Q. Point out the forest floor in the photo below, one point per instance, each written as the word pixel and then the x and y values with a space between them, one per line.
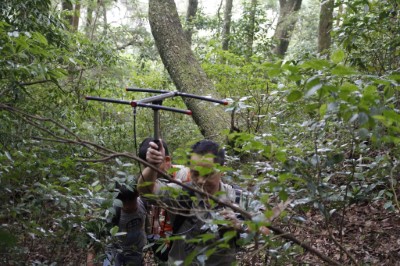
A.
pixel 370 235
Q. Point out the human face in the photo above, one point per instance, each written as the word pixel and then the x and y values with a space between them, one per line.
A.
pixel 203 173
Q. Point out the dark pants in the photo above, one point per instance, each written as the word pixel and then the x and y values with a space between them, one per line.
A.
pixel 117 259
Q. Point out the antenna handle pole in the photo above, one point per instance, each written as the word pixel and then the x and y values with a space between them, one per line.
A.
pixel 156 124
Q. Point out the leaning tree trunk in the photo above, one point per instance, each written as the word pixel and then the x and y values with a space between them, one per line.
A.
pixel 325 26
pixel 286 23
pixel 190 17
pixel 184 69
pixel 226 30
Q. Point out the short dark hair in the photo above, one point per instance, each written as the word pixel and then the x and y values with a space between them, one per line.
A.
pixel 205 146
pixel 126 194
pixel 145 145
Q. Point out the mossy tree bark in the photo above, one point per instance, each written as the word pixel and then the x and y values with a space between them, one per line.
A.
pixel 286 22
pixel 251 28
pixel 190 18
pixel 184 69
pixel 325 26
pixel 226 31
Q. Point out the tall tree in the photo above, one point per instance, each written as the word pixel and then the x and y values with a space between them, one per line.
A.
pixel 105 23
pixel 89 17
pixel 286 23
pixel 72 13
pixel 226 30
pixel 68 8
pixel 251 28
pixel 190 17
pixel 76 16
pixel 184 69
pixel 325 25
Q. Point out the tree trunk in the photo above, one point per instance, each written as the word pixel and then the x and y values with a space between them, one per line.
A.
pixel 286 23
pixel 89 18
pixel 226 30
pixel 184 69
pixel 68 7
pixel 339 15
pixel 250 29
pixel 325 26
pixel 190 15
pixel 77 15
pixel 105 23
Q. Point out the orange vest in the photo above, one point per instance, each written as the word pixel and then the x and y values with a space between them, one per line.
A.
pixel 161 224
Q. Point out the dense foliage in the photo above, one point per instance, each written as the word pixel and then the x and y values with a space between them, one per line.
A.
pixel 323 132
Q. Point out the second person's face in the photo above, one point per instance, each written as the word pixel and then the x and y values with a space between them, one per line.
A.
pixel 204 174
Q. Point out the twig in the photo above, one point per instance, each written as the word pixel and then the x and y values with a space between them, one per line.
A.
pixel 343 249
pixel 112 154
pixel 34 82
pixel 392 185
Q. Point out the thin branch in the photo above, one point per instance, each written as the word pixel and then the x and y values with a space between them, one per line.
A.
pixel 34 82
pixel 112 154
pixel 41 82
pixel 392 185
pixel 343 249
pixel 123 46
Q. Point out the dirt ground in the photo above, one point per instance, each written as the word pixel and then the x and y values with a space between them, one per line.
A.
pixel 368 235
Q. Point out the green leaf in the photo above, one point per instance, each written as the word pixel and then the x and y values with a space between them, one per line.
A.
pixel 363 133
pixel 338 158
pixel 274 72
pixel 316 64
pixel 114 230
pixel 39 38
pixel 322 110
pixel 391 115
pixel 281 155
pixel 295 77
pixel 210 252
pixel 343 70
pixel 388 205
pixel 313 90
pixel 346 89
pixel 9 156
pixel 7 239
pixel 294 96
pixel 338 56
pixel 283 195
pixel 395 77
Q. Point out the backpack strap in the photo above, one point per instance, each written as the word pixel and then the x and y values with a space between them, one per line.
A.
pixel 117 216
pixel 238 194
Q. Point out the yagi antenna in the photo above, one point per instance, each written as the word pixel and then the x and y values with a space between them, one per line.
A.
pixel 155 103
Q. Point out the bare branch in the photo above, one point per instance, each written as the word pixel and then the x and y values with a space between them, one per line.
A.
pixel 35 82
pixel 109 154
pixel 343 249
